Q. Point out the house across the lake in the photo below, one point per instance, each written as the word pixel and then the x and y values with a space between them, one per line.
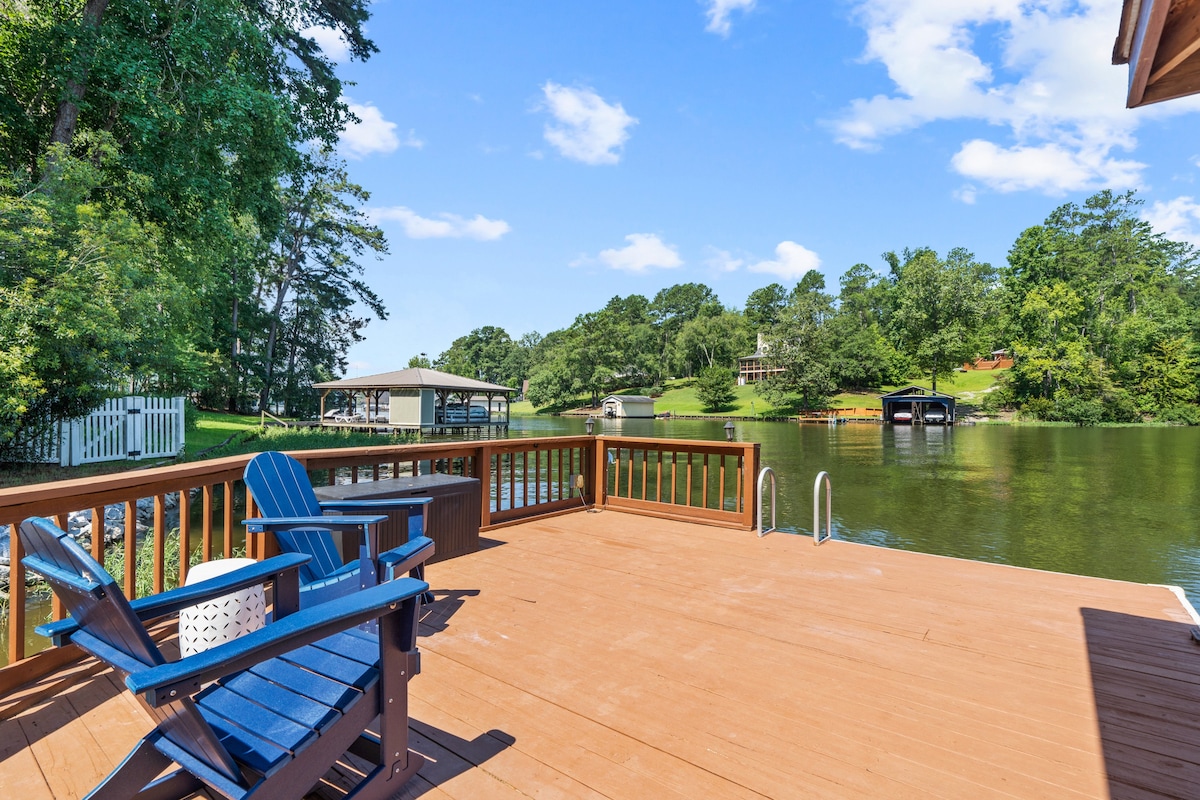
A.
pixel 755 367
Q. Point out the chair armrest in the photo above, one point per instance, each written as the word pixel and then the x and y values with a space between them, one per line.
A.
pixel 344 523
pixel 168 683
pixel 155 606
pixel 380 502
pixel 408 555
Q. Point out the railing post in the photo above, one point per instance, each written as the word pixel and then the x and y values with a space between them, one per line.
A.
pixel 483 471
pixel 749 483
pixel 599 472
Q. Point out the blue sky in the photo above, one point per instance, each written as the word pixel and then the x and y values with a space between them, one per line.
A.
pixel 530 160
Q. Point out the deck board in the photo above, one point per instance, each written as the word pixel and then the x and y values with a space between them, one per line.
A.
pixel 607 655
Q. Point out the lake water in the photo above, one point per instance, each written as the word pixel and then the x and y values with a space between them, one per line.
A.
pixel 1110 502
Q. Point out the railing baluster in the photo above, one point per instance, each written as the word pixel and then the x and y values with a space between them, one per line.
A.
pixel 16 594
pixel 645 466
pixel 185 533
pixel 704 485
pixel 98 531
pixel 160 542
pixel 689 479
pixel 253 540
pixel 227 547
pixel 56 605
pixel 629 476
pixel 131 549
pixel 721 496
pixel 206 524
pixel 658 467
pixel 674 475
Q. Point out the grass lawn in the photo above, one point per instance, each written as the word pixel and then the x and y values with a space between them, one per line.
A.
pixel 680 397
pixel 213 427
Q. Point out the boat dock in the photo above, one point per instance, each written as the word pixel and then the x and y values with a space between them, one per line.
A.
pixel 606 654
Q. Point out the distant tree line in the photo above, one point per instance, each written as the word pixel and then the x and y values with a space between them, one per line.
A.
pixel 171 216
pixel 1100 313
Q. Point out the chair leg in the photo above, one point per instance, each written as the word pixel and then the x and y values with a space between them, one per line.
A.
pixel 382 783
pixel 418 572
pixel 130 777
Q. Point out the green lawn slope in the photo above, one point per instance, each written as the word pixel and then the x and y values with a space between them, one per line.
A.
pixel 679 397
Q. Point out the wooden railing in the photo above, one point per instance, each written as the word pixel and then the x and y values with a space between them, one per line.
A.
pixel 680 479
pixel 706 482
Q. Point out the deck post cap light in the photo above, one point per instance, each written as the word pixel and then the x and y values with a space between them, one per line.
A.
pixel 729 431
pixel 590 425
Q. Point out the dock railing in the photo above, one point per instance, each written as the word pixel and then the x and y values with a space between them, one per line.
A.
pixel 706 482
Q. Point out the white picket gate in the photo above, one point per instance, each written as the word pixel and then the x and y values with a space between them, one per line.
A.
pixel 124 427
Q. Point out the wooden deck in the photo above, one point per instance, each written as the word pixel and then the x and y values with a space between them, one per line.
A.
pixel 605 655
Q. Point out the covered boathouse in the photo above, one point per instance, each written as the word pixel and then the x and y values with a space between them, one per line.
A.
pixel 415 399
pixel 918 401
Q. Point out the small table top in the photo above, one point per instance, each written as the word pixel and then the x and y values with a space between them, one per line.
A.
pixel 366 490
pixel 213 569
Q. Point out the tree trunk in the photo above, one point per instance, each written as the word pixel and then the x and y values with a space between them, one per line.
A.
pixel 68 108
pixel 234 351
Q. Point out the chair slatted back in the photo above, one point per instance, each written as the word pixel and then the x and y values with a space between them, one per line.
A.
pixel 281 488
pixel 96 602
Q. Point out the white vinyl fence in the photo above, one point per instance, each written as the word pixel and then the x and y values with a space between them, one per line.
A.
pixel 124 427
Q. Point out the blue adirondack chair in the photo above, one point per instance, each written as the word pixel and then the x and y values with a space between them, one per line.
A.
pixel 289 509
pixel 288 700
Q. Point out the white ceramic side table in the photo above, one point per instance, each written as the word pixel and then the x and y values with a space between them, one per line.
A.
pixel 223 618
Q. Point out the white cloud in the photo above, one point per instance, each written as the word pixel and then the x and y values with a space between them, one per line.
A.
pixel 371 134
pixel 718 12
pixel 412 141
pixel 589 130
pixel 1039 68
pixel 1179 219
pixel 331 42
pixel 791 262
pixel 644 251
pixel 445 226
pixel 966 194
pixel 723 261
pixel 1051 168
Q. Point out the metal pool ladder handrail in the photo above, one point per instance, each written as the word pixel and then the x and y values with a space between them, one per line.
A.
pixel 763 473
pixel 817 538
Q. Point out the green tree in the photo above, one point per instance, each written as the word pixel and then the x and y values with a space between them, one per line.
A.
pixel 715 389
pixel 940 309
pixel 765 306
pixel 1169 374
pixel 85 306
pixel 862 356
pixel 316 258
pixel 712 341
pixel 485 354
pixel 421 361
pixel 671 309
pixel 800 345
pixel 1089 300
